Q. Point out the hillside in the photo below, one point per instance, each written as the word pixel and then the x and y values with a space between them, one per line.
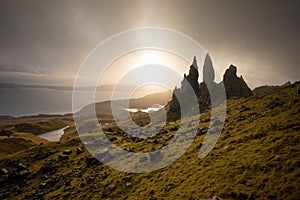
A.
pixel 256 157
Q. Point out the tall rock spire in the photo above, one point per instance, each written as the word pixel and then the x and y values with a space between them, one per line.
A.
pixel 208 70
pixel 195 62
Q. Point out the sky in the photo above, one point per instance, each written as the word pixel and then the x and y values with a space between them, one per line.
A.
pixel 45 42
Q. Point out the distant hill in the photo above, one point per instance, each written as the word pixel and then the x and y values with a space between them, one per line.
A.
pixel 140 103
pixel 269 88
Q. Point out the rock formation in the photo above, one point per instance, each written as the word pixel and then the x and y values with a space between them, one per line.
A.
pixel 183 92
pixel 208 70
pixel 191 78
pixel 235 86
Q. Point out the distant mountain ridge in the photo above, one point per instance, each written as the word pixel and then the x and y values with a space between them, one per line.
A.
pixel 104 87
pixel 145 102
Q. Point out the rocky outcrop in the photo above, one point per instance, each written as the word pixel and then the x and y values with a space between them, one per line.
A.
pixel 184 93
pixel 235 86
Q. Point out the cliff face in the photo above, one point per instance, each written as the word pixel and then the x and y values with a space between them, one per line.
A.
pixel 234 87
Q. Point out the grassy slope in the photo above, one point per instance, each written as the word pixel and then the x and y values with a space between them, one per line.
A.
pixel 23 136
pixel 255 158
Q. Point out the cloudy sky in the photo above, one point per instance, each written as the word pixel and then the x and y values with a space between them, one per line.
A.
pixel 44 42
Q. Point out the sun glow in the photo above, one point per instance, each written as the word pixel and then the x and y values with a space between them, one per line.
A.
pixel 124 64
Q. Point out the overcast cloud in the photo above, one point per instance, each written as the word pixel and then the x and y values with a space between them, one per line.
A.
pixel 44 42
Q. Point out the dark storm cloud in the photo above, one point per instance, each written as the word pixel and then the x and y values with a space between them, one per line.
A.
pixel 53 37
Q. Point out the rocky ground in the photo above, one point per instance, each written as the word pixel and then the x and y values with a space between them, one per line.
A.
pixel 256 157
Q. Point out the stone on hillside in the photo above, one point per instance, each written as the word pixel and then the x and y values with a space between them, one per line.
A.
pixel 48 168
pixel 90 160
pixel 217 122
pixel 202 130
pixel 244 108
pixel 20 166
pixel 4 171
pixel 155 155
pixel 63 158
pixel 128 184
pixel 240 118
pixel 41 154
pixel 235 86
pixel 79 151
pixel 169 187
pixel 24 173
pixel 67 152
pixel 274 103
pixel 43 185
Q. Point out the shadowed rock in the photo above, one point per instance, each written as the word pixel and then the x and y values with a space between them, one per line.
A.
pixel 235 86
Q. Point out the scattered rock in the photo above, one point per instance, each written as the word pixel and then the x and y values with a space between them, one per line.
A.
pixel 143 158
pixel 155 141
pixel 67 152
pixel 90 179
pixel 24 173
pixel 79 151
pixel 202 130
pixel 90 161
pixel 244 108
pixel 135 139
pixel 4 171
pixel 169 137
pixel 128 184
pixel 63 158
pixel 169 187
pixel 48 167
pixel 43 185
pixel 20 166
pixel 240 118
pixel 67 182
pixel 274 103
pixel 40 154
pixel 217 122
pixel 155 155
pixel 214 130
